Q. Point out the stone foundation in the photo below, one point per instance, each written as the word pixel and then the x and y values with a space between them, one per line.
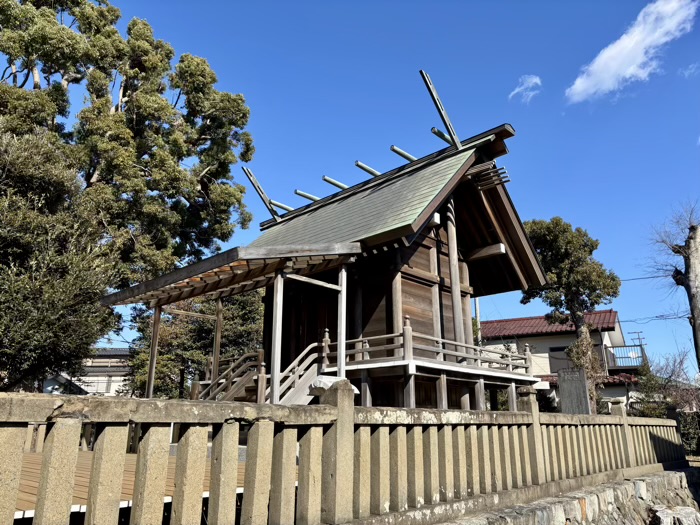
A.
pixel 664 498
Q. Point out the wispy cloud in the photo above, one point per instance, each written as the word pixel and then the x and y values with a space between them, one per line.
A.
pixel 690 71
pixel 528 86
pixel 635 55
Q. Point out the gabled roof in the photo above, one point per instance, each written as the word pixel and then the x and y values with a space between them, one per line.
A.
pixel 602 321
pixel 392 204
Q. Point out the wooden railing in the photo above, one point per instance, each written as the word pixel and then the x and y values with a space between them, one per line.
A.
pixel 409 345
pixel 327 463
pixel 300 372
pixel 233 381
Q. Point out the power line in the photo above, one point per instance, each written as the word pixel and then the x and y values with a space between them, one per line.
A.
pixel 644 278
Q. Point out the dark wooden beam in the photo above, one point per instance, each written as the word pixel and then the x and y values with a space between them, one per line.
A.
pixel 487 251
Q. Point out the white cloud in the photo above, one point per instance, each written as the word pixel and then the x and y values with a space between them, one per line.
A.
pixel 528 86
pixel 690 71
pixel 635 55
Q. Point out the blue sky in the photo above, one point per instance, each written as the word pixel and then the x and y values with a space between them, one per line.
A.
pixel 611 148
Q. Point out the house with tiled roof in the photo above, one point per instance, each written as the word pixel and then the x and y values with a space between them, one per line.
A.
pixel 547 342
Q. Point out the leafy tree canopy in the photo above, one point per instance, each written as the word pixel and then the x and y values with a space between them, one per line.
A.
pixel 153 144
pixel 576 282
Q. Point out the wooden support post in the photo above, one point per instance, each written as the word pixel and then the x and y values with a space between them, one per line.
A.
pixel 467 305
pixel 216 354
pixel 342 317
pixel 365 389
pixel 480 395
pixel 409 390
pixel 276 353
pixel 512 397
pixel 455 288
pixel 407 339
pixel 442 392
pixel 397 301
pixel 150 380
pixel 357 324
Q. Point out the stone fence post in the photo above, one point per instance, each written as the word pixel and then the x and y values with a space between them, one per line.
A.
pixel 617 408
pixel 527 402
pixel 338 455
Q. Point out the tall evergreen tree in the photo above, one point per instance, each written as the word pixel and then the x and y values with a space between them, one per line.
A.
pixel 125 187
pixel 154 144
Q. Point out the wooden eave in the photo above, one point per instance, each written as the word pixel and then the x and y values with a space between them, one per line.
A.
pixel 234 271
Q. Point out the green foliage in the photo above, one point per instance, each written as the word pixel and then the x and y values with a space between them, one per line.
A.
pixel 154 143
pixel 651 399
pixel 185 343
pixel 53 268
pixel 132 183
pixel 576 284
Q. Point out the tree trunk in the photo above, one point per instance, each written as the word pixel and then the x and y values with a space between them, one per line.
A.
pixel 586 358
pixel 37 78
pixel 692 284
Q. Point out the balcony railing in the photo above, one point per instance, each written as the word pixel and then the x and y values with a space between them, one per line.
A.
pixel 630 356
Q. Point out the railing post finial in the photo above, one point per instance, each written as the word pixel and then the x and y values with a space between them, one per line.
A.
pixel 407 320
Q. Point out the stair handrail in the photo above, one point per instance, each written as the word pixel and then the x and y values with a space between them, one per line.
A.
pixel 294 365
pixel 232 372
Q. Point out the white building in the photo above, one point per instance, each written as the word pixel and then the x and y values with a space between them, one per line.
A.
pixel 103 374
pixel 548 343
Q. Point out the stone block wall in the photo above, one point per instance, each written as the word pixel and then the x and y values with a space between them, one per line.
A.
pixel 666 498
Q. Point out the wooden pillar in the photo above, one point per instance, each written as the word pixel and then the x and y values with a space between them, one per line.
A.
pixel 357 324
pixel 409 390
pixel 455 288
pixel 442 392
pixel 150 380
pixel 480 395
pixel 342 317
pixel 365 390
pixel 276 354
pixel 467 305
pixel 512 397
pixel 217 340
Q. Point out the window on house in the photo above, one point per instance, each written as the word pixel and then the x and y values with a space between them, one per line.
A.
pixel 558 359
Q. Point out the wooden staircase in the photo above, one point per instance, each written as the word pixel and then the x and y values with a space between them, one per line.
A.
pixel 244 379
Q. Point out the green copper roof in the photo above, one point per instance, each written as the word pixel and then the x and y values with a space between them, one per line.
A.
pixel 384 205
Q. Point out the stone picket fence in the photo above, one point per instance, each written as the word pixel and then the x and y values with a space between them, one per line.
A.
pixel 326 463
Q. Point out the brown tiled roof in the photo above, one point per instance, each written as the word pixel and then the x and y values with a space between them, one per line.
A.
pixel 619 379
pixel 602 321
